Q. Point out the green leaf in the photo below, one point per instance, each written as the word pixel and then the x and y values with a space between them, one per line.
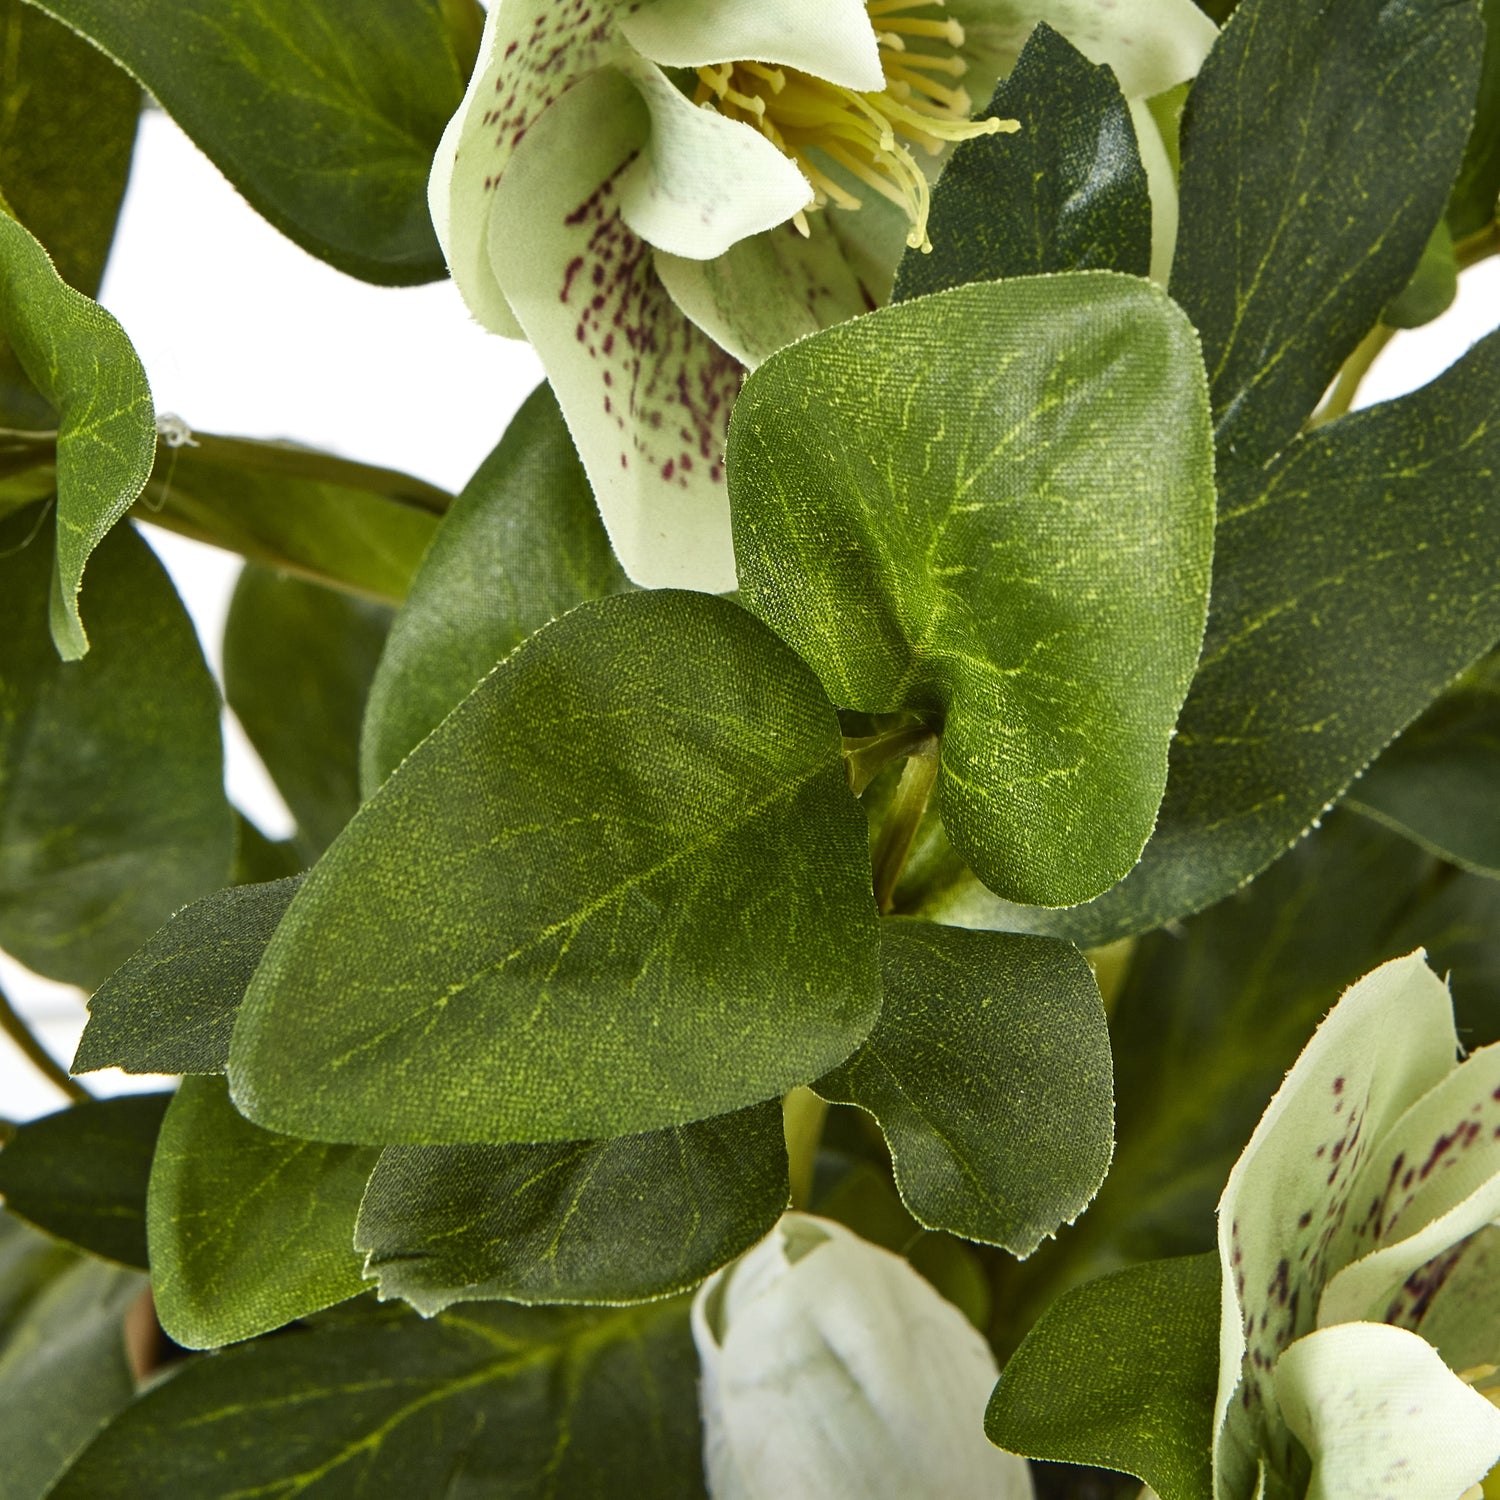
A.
pixel 79 358
pixel 1121 1374
pixel 616 1221
pixel 1068 193
pixel 63 1367
pixel 327 127
pixel 508 1403
pixel 989 1072
pixel 170 1007
pixel 247 1230
pixel 1318 150
pixel 298 659
pixel 1472 205
pixel 258 860
pixel 1432 288
pixel 112 810
pixel 1440 782
pixel 81 1174
pixel 350 525
pixel 522 545
pixel 581 907
pixel 995 507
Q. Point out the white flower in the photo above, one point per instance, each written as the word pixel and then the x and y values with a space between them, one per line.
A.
pixel 832 1369
pixel 651 244
pixel 1354 1236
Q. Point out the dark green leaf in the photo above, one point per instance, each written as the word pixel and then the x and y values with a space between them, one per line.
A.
pixel 584 905
pixel 1432 288
pixel 1319 146
pixel 112 810
pixel 522 545
pixel 258 860
pixel 298 659
pixel 81 1174
pixel 63 1369
pixel 989 1072
pixel 615 1221
pixel 1440 782
pixel 1068 193
pixel 326 125
pixel 170 1008
pixel 78 357
pixel 1477 189
pixel 248 1230
pixel 995 507
pixel 501 1402
pixel 350 525
pixel 1458 922
pixel 1121 1374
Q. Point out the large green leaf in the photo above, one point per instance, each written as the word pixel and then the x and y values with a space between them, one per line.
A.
pixel 298 659
pixel 615 1221
pixel 324 518
pixel 989 1072
pixel 170 1007
pixel 81 1174
pixel 63 1367
pixel 112 809
pixel 623 886
pixel 1121 1374
pixel 1440 782
pixel 522 545
pixel 501 1402
pixel 1477 188
pixel 327 124
pixel 247 1230
pixel 1066 194
pixel 78 357
pixel 1318 149
pixel 995 507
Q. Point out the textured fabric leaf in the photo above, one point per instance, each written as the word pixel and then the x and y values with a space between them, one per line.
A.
pixel 1120 1374
pixel 112 810
pixel 581 906
pixel 1334 131
pixel 989 1073
pixel 995 506
pixel 522 545
pixel 1068 193
pixel 248 1230
pixel 327 128
pixel 79 358
pixel 1472 205
pixel 616 1221
pixel 501 1402
pixel 170 1007
pixel 298 659
pixel 81 1174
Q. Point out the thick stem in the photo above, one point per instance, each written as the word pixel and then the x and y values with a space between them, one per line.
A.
pixel 802 1116
pixel 37 1055
pixel 899 831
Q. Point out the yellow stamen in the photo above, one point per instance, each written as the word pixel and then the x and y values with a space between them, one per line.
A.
pixel 867 136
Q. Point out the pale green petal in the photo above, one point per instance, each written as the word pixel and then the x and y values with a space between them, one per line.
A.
pixel 645 394
pixel 1383 1417
pixel 1462 1320
pixel 1151 44
pixel 528 56
pixel 703 182
pixel 768 291
pixel 1385 1044
pixel 1162 181
pixel 830 38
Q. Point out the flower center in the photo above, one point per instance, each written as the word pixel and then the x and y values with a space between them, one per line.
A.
pixel 869 136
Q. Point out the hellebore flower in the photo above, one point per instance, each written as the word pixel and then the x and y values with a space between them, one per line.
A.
pixel 639 187
pixel 1361 1303
pixel 831 1368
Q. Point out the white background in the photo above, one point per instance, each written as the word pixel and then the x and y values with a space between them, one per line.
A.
pixel 241 332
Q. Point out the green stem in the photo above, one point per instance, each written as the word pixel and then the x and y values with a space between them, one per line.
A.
pixel 1478 246
pixel 1352 376
pixel 37 1055
pixel 802 1116
pixel 899 831
pixel 867 756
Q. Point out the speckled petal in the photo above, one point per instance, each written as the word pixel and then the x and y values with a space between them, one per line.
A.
pixel 645 394
pixel 704 182
pixel 830 38
pixel 1382 1417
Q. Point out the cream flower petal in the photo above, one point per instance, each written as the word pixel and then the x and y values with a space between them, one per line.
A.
pixel 1161 180
pixel 703 182
pixel 645 394
pixel 832 39
pixel 1383 1417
